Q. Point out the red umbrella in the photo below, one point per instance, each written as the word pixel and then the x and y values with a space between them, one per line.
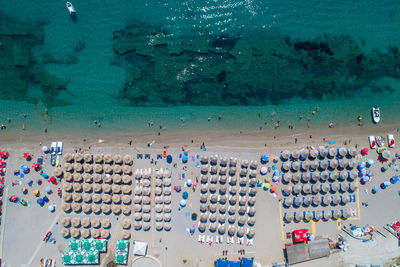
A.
pixel 35 166
pixel 1 162
pixel 364 151
pixel 26 155
pixel 5 154
pixel 52 179
pixel 13 198
pixel 1 154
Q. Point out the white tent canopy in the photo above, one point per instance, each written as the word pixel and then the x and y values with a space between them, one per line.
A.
pixel 140 248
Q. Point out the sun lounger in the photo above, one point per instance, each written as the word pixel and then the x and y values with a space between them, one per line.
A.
pixel 210 239
pixel 240 240
pixel 146 156
pixel 249 242
pixel 201 238
pixel 159 156
pixel 53 148
pixel 231 240
pixel 59 148
pixel 139 156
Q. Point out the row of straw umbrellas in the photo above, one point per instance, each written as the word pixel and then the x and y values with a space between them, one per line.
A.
pixel 325 164
pixel 225 192
pixel 92 169
pixel 319 188
pixel 321 152
pixel 226 211
pixel 96 198
pixel 97 178
pixel 224 199
pixel 87 233
pixel 96 188
pixel 98 158
pixel 214 160
pixel 231 230
pixel 231 171
pixel 213 180
pixel 96 208
pixel 315 177
pixel 318 215
pixel 316 201
pixel 85 222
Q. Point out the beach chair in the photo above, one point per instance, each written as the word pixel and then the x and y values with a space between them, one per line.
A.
pixel 139 156
pixel 232 240
pixel 146 156
pixel 240 240
pixel 59 148
pixel 209 239
pixel 159 156
pixel 221 239
pixel 249 242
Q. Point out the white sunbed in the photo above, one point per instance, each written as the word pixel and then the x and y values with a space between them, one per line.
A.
pixel 53 148
pixel 232 239
pixel 240 240
pixel 209 239
pixel 201 238
pixel 59 148
pixel 249 242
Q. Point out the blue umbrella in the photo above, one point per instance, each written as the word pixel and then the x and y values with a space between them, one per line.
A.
pixel 394 179
pixel 182 203
pixel 40 201
pixel 184 158
pixel 51 208
pixel 39 181
pixel 45 199
pixel 169 159
pixel 362 165
pixel 275 179
pixel 264 159
pixel 185 195
pixel 386 183
pixel 48 190
pixel 191 230
pixel 370 162
pixel 375 189
pixel 45 176
pixel 277 173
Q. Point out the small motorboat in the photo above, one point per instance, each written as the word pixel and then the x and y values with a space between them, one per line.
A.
pixel 376 114
pixel 71 8
pixel 372 143
pixel 390 140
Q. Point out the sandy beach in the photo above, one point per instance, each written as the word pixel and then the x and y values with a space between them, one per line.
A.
pixel 25 227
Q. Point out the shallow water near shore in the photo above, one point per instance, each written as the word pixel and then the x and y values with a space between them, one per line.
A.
pixel 95 81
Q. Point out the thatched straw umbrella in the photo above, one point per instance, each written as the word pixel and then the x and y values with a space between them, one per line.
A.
pixel 223 171
pixel 116 189
pixel 95 223
pixel 324 164
pixel 353 187
pixel 98 168
pixel 323 152
pixel 314 165
pixel 327 200
pixel 305 177
pixel 324 176
pixel 232 190
pixel 213 170
pixel 203 207
pixel 147 209
pixel 159 226
pixel 78 167
pixel 97 178
pixel 299 216
pixel 58 172
pixel 146 183
pixel 76 197
pixel 67 177
pixel 309 216
pixel 126 179
pixel 232 219
pixel 251 233
pixel 213 208
pixel 65 232
pixel 127 170
pixel 87 187
pixel 286 166
pixel 66 221
pixel 77 187
pixel 342 152
pixel 332 152
pixel 146 199
pixel 287 178
pixel 213 160
pixel 325 188
pixel 233 162
pixel 106 223
pixel 167 217
pixel 253 191
pixel 296 177
pixel 67 187
pixel 314 177
pixel 315 189
pixel 146 226
pixel 204 159
pixel 346 214
pixel 138 191
pixel 108 159
pixel 67 197
pixel 126 235
pixel 295 166
pixel 212 217
pixel 245 164
pixel 232 210
pixel 336 200
pixel 224 161
pixel 75 233
pixel 66 207
pixel 126 210
pixel 87 158
pixel 213 179
pixel 126 200
pixel 77 177
pixel 344 187
pixel 213 227
pixel 116 178
pixel 87 178
pixel 86 222
pixel 336 214
pixel 243 181
pixel 221 229
pixel 242 210
pixel 316 201
pixel 233 180
pixel 107 188
pixel 96 208
pixel 232 171
pixel 232 200
pixel 105 234
pixel 116 209
pixel 96 233
pixel 167 182
pixel 240 232
pixel 345 199
pixel 117 169
pixel 352 163
pixel 204 169
pixel 313 154
pixel 327 215
pixel 242 201
pixel 87 208
pixel 203 179
pixel 106 198
pixel 352 152
pixel 252 211
pixel 334 176
pixel 305 165
pixel 126 224
pixel 254 164
pixel 335 187
pixel 289 217
pixel 98 158
pixel 106 209
pixel 158 208
pixel 78 157
pixel 296 189
pixel 298 201
pixel 97 188
pixel 343 163
pixel 253 173
pixel 307 201
pixel 222 209
pixel 68 157
pixel 116 199
pixel 287 202
pixel 285 154
pixel 304 154
pixel 307 189
pixel 108 169
pixel 353 175
pixel 203 217
pixel 76 222
pixel 333 163
pixel 87 198
pixel 295 154
pixel 251 201
pixel 128 160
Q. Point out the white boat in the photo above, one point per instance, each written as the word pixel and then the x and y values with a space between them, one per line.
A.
pixel 71 8
pixel 372 143
pixel 376 114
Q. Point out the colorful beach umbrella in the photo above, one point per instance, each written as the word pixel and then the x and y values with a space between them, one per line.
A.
pixel 182 203
pixel 185 195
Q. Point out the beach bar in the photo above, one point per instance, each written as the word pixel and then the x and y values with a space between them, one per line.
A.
pixel 306 251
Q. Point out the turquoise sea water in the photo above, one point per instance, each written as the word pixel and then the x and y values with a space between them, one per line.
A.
pixel 96 73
